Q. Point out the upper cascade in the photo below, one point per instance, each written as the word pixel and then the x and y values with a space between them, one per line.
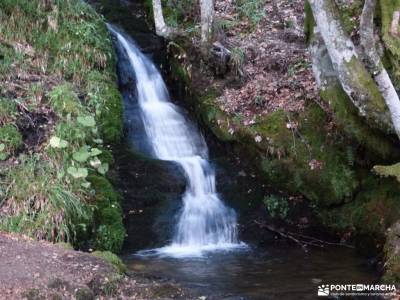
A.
pixel 205 223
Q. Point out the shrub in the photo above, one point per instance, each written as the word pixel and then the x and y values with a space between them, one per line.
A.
pixel 277 206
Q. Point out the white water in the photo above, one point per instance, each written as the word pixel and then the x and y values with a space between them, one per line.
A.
pixel 205 223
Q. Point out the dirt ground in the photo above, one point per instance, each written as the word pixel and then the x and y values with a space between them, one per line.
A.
pixel 40 270
pixel 276 72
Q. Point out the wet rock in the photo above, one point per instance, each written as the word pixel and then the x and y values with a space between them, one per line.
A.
pixel 151 191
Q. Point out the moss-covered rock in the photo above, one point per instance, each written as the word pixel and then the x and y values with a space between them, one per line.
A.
pixel 377 144
pixel 325 155
pixel 392 254
pixel 112 259
pixel 109 231
pixel 84 293
pixel 104 191
pixel 111 117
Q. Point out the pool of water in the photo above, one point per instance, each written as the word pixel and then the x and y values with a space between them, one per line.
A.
pixel 277 273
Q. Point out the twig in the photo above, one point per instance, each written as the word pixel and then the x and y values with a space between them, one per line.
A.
pixel 322 241
pixel 307 240
pixel 282 234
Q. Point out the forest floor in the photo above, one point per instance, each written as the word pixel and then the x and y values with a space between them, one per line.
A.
pixel 35 270
pixel 274 66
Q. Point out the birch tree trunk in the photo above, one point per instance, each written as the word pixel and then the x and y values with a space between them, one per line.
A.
pixel 352 74
pixel 375 65
pixel 207 20
pixel 161 27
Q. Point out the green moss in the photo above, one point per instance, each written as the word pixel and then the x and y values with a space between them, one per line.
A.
pixel 309 22
pixel 110 237
pixel 111 215
pixel 112 259
pixel 11 138
pixel 304 159
pixel 179 72
pixel 386 171
pixel 392 255
pixel 66 246
pixel 349 14
pixel 104 192
pixel 213 117
pixel 375 108
pixel 272 128
pixel 105 99
pixel 392 43
pixel 84 293
pixel 374 208
pixel 111 117
pixel 347 117
pixel 109 229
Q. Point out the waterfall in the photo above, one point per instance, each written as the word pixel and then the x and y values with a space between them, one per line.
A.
pixel 205 223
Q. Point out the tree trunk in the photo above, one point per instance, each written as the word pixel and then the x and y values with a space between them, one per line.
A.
pixel 161 28
pixel 344 112
pixel 352 74
pixel 394 27
pixel 207 20
pixel 375 65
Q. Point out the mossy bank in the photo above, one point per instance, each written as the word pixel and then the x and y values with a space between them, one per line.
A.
pixel 60 113
pixel 324 152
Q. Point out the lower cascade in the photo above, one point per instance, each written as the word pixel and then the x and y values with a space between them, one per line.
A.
pixel 205 223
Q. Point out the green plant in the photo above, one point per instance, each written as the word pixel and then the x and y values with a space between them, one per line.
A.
pixel 48 195
pixel 10 139
pixel 277 206
pixel 298 66
pixel 237 60
pixel 110 237
pixel 224 24
pixel 253 10
pixel 65 101
pixel 8 110
pixel 289 23
pixel 44 205
pixel 259 100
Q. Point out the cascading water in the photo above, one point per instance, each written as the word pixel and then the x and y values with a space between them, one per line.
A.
pixel 205 223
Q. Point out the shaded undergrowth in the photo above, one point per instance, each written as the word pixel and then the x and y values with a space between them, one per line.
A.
pixel 60 110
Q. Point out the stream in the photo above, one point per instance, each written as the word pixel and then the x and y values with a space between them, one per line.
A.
pixel 272 273
pixel 202 249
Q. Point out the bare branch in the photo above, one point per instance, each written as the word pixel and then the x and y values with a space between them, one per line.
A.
pixel 301 239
